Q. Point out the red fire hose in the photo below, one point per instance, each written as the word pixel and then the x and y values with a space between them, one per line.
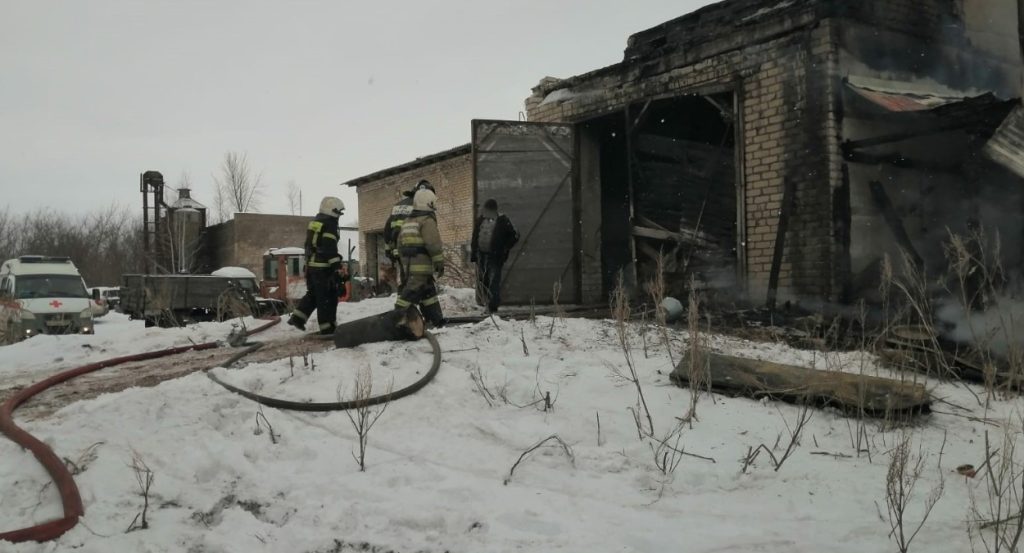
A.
pixel 70 499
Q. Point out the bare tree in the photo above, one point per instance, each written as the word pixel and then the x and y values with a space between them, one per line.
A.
pixel 294 198
pixel 103 244
pixel 238 189
pixel 8 234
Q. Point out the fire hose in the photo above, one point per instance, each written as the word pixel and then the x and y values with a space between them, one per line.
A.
pixel 334 405
pixel 71 500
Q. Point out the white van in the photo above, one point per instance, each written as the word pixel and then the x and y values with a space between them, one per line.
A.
pixel 42 295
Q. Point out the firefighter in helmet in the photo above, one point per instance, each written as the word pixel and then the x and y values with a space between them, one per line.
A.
pixel 393 226
pixel 322 264
pixel 419 246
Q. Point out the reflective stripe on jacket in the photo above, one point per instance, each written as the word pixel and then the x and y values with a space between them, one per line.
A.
pixel 399 212
pixel 419 243
pixel 322 242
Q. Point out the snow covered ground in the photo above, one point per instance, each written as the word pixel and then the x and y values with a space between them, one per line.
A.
pixel 438 462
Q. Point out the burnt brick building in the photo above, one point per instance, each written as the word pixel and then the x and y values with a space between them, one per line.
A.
pixel 766 148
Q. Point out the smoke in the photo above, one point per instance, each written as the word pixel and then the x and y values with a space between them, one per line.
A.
pixel 997 328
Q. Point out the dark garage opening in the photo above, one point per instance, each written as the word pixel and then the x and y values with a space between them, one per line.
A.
pixel 674 171
pixel 608 133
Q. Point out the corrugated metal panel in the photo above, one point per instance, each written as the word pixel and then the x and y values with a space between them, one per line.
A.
pixel 903 101
pixel 1007 145
pixel 528 168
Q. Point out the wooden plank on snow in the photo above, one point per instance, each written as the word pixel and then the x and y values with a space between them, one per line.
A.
pixel 852 393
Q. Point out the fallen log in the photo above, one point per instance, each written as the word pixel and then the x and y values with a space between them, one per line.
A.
pixel 398 324
pixel 850 393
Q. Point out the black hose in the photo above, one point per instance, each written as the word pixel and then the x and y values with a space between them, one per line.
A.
pixel 579 311
pixel 335 405
pixel 465 319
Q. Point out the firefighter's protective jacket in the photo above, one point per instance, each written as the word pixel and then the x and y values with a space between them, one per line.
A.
pixel 419 244
pixel 393 226
pixel 322 243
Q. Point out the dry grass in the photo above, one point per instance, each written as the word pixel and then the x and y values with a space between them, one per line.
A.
pixel 905 470
pixel 997 501
pixel 621 312
pixel 656 289
pixel 697 367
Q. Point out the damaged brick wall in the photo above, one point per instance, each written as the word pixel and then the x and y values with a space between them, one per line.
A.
pixel 786 91
pixel 453 181
pixel 923 18
pixel 790 134
pixel 965 45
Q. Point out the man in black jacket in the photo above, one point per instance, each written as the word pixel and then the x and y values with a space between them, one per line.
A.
pixel 322 264
pixel 493 239
pixel 393 226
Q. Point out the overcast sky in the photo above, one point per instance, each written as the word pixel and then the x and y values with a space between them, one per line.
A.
pixel 93 93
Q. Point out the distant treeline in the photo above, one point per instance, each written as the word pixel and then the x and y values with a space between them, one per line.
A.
pixel 103 244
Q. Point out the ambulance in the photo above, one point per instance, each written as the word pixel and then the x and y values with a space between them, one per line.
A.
pixel 42 295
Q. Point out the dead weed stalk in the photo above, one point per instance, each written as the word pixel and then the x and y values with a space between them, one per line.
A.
pixel 620 313
pixel 997 502
pixel 144 478
pixel 364 415
pixel 901 479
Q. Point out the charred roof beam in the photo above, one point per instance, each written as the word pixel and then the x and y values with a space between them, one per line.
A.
pixel 894 222
pixel 897 159
pixel 849 145
pixel 724 110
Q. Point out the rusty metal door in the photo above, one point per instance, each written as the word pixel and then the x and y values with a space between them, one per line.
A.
pixel 530 170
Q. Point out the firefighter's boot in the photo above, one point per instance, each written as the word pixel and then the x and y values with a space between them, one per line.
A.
pixel 432 313
pixel 297 322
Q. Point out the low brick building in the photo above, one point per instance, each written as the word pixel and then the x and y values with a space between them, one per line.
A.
pixel 450 172
pixel 774 148
pixel 242 241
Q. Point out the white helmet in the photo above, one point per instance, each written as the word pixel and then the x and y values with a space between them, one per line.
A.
pixel 424 200
pixel 332 206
